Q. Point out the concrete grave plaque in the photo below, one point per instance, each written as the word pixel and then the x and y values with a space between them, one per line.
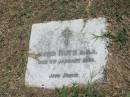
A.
pixel 63 52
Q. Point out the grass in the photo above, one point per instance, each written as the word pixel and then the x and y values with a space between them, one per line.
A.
pixel 120 37
pixel 75 91
pixel 16 19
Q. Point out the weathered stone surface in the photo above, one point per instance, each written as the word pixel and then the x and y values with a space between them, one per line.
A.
pixel 63 52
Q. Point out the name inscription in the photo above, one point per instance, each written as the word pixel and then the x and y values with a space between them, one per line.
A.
pixel 65 75
pixel 77 56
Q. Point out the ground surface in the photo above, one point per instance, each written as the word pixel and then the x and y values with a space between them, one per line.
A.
pixel 16 18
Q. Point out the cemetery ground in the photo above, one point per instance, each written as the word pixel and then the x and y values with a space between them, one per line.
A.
pixel 16 19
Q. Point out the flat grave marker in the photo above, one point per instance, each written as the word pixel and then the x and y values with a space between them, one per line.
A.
pixel 63 52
